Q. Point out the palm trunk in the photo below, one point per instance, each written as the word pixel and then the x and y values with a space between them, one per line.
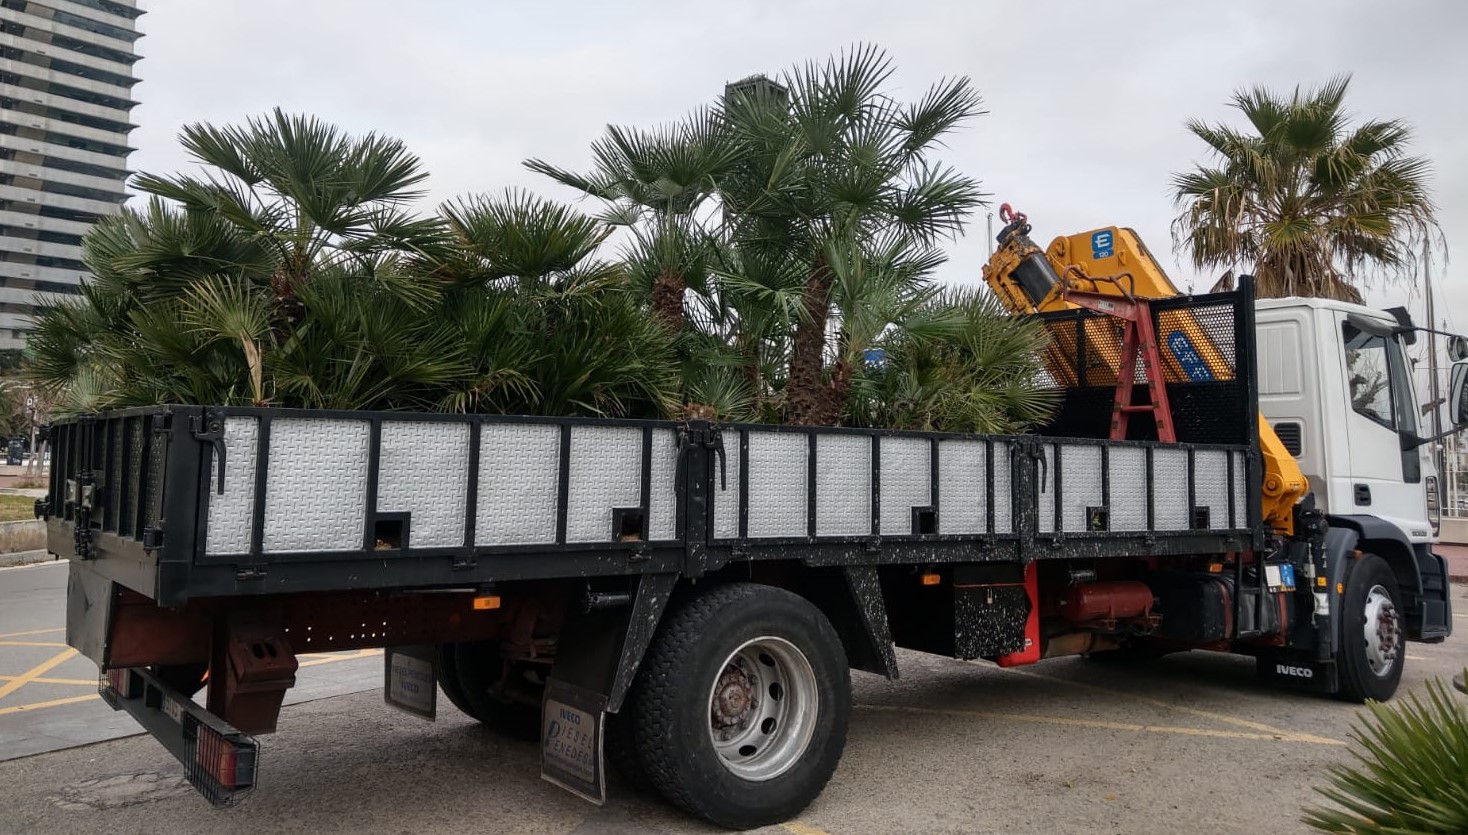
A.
pixel 837 392
pixel 805 397
pixel 668 290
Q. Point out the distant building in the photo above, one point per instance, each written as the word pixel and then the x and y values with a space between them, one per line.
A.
pixel 65 77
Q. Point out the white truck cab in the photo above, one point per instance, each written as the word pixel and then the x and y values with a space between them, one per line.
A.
pixel 1336 385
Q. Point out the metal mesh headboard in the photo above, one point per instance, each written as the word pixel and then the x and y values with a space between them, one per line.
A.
pixel 1207 349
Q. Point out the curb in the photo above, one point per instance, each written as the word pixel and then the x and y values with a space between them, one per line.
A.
pixel 25 558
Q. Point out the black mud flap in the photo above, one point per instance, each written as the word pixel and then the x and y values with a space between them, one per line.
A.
pixel 1437 599
pixel 572 720
pixel 410 680
pixel 1299 671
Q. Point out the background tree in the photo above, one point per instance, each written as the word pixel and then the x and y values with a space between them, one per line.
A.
pixel 1311 204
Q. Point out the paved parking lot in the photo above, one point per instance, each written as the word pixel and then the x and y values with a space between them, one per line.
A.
pixel 1189 743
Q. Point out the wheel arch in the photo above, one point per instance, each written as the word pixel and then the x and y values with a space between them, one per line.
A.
pixel 850 596
pixel 1380 537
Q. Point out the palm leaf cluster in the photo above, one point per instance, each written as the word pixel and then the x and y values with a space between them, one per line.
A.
pixel 1412 774
pixel 293 274
pixel 1311 203
pixel 790 229
pixel 768 243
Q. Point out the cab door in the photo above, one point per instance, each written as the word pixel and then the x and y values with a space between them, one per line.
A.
pixel 1384 480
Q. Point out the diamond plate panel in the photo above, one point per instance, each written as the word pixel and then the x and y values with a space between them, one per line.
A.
pixel 1003 497
pixel 726 501
pixel 424 471
pixel 519 483
pixel 662 522
pixel 231 512
pixel 963 496
pixel 153 501
pixel 843 485
pixel 129 522
pixel 1046 481
pixel 1210 476
pixel 1128 488
pixel 316 487
pixel 606 472
pixel 1240 488
pixel 906 483
pixel 1080 484
pixel 777 470
pixel 1170 489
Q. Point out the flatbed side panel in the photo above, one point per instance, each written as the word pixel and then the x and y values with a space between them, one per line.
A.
pixel 785 487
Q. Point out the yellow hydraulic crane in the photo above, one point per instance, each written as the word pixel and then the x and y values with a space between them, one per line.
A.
pixel 1113 261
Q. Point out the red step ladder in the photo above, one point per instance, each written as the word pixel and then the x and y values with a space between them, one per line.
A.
pixel 1138 344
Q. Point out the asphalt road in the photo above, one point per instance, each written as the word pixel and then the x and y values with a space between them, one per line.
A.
pixel 48 693
pixel 1191 743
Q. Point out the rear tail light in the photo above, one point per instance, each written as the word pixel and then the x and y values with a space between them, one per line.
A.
pixel 118 684
pixel 221 767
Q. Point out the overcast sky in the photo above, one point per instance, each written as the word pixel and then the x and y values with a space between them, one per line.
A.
pixel 1086 101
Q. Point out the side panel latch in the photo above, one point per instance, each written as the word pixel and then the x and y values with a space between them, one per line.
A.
pixel 209 428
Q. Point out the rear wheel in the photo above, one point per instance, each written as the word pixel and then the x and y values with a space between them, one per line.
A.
pixel 481 683
pixel 1372 652
pixel 741 706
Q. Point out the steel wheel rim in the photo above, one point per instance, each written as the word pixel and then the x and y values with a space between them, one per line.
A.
pixel 1383 633
pixel 763 708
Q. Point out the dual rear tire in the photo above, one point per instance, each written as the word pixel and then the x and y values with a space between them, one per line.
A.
pixel 738 714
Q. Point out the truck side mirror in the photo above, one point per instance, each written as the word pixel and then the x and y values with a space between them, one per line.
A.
pixel 1458 399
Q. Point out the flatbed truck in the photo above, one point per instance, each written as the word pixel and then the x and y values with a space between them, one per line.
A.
pixel 683 600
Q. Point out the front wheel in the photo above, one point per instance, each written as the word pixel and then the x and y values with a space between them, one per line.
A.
pixel 741 706
pixel 1372 651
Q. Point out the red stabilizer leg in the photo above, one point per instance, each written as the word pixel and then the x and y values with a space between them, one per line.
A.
pixel 1031 653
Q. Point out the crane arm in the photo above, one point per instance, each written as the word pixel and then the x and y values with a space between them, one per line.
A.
pixel 1027 280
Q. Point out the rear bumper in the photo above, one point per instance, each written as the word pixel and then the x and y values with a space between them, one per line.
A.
pixel 221 762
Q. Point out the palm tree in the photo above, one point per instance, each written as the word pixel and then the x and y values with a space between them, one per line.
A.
pixel 658 184
pixel 833 171
pixel 291 273
pixel 1410 774
pixel 1312 202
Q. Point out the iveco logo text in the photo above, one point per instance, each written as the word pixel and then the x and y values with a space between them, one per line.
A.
pixel 1297 672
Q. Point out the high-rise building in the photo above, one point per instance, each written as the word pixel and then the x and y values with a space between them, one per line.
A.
pixel 65 81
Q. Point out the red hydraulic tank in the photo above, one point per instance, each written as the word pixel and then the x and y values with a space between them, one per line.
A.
pixel 1108 600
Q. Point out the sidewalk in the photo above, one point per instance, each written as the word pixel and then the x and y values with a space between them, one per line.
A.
pixel 1457 557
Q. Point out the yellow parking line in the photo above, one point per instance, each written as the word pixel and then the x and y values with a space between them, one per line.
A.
pixel 1192 711
pixel 798 828
pixel 1100 724
pixel 31 644
pixel 35 672
pixel 33 632
pixel 366 653
pixel 80 682
pixel 71 700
